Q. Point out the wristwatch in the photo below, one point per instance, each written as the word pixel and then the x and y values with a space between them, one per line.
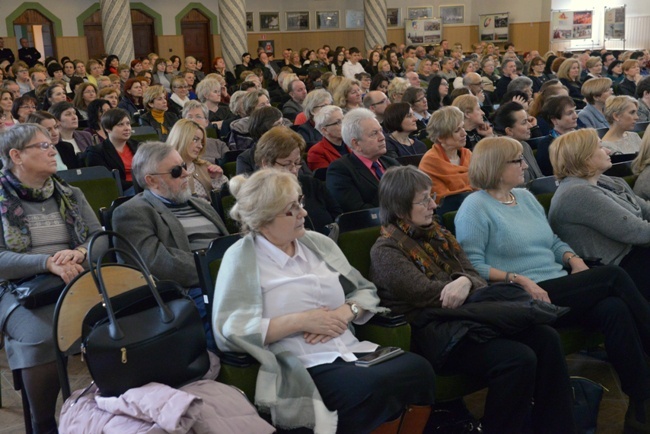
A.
pixel 83 250
pixel 354 308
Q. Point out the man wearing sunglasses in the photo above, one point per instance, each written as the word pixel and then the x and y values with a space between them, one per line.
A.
pixel 165 223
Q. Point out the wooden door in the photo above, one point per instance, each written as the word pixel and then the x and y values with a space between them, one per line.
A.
pixel 26 22
pixel 94 36
pixel 195 28
pixel 143 35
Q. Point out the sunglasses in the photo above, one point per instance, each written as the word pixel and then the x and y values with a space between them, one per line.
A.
pixel 175 172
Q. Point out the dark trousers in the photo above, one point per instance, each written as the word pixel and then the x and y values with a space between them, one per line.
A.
pixel 606 299
pixel 636 264
pixel 364 398
pixel 519 369
pixel 197 296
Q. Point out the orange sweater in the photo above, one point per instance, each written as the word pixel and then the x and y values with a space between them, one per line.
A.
pixel 447 178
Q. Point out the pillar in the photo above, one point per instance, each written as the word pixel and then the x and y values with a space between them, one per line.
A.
pixel 375 23
pixel 117 28
pixel 232 19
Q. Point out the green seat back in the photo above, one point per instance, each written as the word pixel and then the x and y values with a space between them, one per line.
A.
pixel 545 200
pixel 448 221
pixel 230 169
pixel 100 193
pixel 145 138
pixel 356 247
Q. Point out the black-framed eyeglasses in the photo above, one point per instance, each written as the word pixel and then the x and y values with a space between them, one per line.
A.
pixel 427 200
pixel 383 101
pixel 175 171
pixel 331 124
pixel 519 161
pixel 296 207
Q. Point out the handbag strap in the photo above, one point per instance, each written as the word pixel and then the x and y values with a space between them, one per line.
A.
pixel 131 253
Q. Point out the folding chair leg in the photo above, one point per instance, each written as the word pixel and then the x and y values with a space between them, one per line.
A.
pixel 27 414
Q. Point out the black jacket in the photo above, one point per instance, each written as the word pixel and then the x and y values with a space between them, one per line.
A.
pixel 105 155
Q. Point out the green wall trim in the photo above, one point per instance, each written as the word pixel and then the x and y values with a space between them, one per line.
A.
pixel 214 27
pixel 56 22
pixel 157 18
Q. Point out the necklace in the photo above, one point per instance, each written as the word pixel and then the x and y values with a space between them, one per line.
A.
pixel 509 202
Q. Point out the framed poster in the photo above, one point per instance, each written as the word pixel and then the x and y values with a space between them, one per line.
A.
pixel 493 27
pixel 566 25
pixel 267 44
pixel 452 14
pixel 420 12
pixel 393 17
pixel 298 20
pixel 270 21
pixel 249 21
pixel 425 31
pixel 615 23
pixel 354 19
pixel 327 20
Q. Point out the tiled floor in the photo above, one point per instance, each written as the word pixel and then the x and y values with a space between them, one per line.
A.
pixel 610 419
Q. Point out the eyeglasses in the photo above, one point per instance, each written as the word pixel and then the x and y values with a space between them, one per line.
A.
pixel 421 99
pixel 290 164
pixel 519 161
pixel 339 122
pixel 442 83
pixel 427 200
pixel 383 101
pixel 175 172
pixel 181 87
pixel 32 107
pixel 43 145
pixel 296 207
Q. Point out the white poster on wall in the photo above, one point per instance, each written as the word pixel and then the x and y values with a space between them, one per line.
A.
pixel 566 25
pixel 493 27
pixel 423 32
pixel 615 23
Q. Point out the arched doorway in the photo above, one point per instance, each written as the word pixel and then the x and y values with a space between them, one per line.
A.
pixel 39 31
pixel 195 28
pixel 143 34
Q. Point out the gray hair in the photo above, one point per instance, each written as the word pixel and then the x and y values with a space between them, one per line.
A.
pixel 261 197
pixel 352 124
pixel 194 104
pixel 235 101
pixel 519 84
pixel 250 100
pixel 147 158
pixel 206 86
pixel 17 137
pixel 313 99
pixel 324 115
pixel 397 190
pixel 411 94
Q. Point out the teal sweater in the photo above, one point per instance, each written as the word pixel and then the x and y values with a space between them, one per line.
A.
pixel 509 238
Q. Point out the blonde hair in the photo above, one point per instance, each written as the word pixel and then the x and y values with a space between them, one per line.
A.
pixel 566 66
pixel 397 86
pixel 443 122
pixel 409 62
pixel 595 87
pixel 182 135
pixel 466 103
pixel 261 197
pixel 593 61
pixel 152 93
pixel 617 105
pixel 628 64
pixel 570 153
pixel 489 159
pixel 341 92
pixel 643 159
pixel 421 65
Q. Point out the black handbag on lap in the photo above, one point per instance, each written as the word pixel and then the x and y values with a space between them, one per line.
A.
pixel 152 333
pixel 37 291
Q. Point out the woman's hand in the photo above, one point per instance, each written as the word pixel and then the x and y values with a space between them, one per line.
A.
pixel 63 257
pixel 485 130
pixel 325 322
pixel 532 288
pixel 533 121
pixel 66 272
pixel 455 292
pixel 520 100
pixel 214 171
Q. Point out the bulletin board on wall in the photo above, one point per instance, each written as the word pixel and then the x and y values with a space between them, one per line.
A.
pixel 493 27
pixel 570 25
pixel 615 23
pixel 425 31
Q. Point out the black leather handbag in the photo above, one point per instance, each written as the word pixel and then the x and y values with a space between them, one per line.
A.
pixel 37 291
pixel 152 333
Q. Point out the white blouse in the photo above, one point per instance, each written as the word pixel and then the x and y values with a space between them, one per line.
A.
pixel 297 284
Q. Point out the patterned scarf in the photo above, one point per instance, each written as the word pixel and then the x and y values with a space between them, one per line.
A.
pixel 17 235
pixel 432 249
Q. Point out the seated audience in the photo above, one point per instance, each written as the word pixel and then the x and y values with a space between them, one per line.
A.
pixel 66 114
pixel 417 98
pixel 23 107
pixel 400 123
pixel 596 91
pixel 627 86
pixel 180 95
pixel 397 87
pixel 420 270
pixel 84 94
pixel 641 167
pixel 297 91
pixel 569 75
pixel 117 151
pixel 475 125
pixel 353 179
pixel 197 112
pixel 313 103
pixel 328 121
pixel 643 97
pixel 310 349
pixel 131 100
pixel 437 93
pixel 157 114
pixel 65 155
pixel 621 113
pixel 47 231
pixel 560 112
pixel 240 138
pixel 95 111
pixel 166 224
pixel 447 161
pixel 347 95
pixel 505 234
pixel 621 232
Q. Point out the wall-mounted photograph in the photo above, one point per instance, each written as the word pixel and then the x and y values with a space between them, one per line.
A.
pixel 452 14
pixel 393 17
pixel 249 21
pixel 418 13
pixel 298 20
pixel 354 20
pixel 327 20
pixel 269 21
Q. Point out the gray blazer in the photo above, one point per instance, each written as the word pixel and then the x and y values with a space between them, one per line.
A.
pixel 160 237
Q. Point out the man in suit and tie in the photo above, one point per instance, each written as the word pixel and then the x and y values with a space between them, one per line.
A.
pixel 165 223
pixel 353 180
